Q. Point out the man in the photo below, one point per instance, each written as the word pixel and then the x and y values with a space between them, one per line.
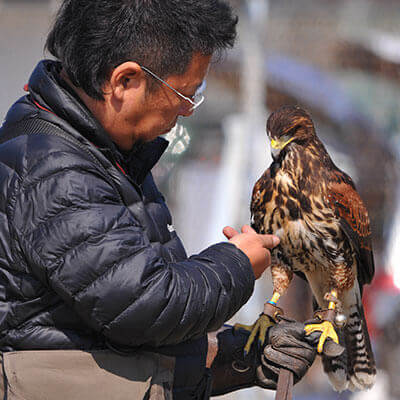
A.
pixel 88 259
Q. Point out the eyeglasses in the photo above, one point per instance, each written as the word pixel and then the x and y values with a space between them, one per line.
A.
pixel 195 100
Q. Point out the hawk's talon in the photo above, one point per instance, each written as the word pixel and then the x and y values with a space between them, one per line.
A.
pixel 260 328
pixel 247 328
pixel 327 331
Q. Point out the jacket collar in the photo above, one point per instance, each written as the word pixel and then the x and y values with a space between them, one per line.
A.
pixel 48 90
pixel 143 157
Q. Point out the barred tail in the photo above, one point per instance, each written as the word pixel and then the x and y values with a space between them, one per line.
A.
pixel 355 368
pixel 336 368
pixel 360 362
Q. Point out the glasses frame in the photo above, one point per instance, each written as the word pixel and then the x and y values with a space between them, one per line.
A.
pixel 194 104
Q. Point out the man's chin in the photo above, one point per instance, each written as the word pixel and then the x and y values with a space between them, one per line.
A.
pixel 150 137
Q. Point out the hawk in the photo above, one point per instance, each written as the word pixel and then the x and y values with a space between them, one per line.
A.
pixel 324 231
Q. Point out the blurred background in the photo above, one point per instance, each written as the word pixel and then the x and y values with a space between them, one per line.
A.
pixel 339 59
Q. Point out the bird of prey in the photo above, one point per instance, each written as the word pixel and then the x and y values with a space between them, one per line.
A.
pixel 324 231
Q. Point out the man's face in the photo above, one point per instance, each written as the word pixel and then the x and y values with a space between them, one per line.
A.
pixel 143 115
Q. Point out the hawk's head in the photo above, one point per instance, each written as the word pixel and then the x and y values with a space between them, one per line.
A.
pixel 289 124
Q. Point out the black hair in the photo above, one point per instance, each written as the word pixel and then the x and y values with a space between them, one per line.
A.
pixel 92 37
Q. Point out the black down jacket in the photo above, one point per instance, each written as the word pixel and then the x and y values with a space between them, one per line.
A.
pixel 88 255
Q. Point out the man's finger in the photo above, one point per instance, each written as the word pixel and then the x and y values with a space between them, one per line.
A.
pixel 270 241
pixel 229 232
pixel 248 229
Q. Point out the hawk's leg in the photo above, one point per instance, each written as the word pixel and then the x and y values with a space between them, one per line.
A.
pixel 267 318
pixel 281 278
pixel 326 327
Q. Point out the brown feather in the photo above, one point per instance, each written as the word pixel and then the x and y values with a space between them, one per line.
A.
pixel 348 206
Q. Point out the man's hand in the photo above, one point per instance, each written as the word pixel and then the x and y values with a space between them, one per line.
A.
pixel 254 245
pixel 288 348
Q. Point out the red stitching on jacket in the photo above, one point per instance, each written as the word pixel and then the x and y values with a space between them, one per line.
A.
pixel 120 168
pixel 42 108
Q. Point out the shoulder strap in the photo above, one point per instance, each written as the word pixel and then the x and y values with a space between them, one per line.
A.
pixel 32 126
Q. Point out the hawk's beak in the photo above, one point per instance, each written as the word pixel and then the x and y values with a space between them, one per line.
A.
pixel 279 145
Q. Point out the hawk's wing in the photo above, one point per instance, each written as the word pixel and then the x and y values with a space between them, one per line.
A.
pixel 354 220
pixel 262 195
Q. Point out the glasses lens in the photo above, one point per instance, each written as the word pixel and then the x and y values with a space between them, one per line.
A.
pixel 197 100
pixel 201 88
pixel 198 97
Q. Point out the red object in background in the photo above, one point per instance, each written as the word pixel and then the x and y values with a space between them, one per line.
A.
pixel 378 296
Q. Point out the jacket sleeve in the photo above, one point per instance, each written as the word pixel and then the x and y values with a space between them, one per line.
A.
pixel 79 239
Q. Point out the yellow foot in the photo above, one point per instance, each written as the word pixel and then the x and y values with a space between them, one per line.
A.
pixel 259 328
pixel 327 332
pixel 247 328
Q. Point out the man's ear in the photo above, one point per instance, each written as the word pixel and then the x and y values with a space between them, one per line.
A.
pixel 126 76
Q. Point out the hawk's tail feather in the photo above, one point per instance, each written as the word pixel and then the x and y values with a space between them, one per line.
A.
pixel 336 368
pixel 360 362
pixel 355 368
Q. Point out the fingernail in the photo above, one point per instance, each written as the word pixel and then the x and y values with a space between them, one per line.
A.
pixel 275 241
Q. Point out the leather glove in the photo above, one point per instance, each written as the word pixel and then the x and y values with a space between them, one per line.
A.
pixel 286 347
